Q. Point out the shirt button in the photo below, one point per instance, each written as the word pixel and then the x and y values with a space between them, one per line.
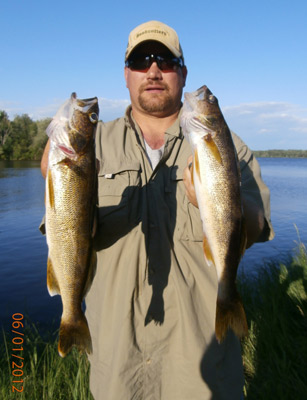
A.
pixel 148 361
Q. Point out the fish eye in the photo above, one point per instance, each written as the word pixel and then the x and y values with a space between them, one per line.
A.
pixel 93 117
pixel 212 99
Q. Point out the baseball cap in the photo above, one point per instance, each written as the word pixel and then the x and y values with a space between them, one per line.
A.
pixel 157 31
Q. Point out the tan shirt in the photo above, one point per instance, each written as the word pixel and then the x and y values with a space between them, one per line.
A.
pixel 151 307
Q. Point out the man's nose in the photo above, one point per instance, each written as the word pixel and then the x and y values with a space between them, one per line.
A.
pixel 154 71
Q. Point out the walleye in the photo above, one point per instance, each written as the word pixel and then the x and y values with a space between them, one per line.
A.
pixel 70 198
pixel 216 178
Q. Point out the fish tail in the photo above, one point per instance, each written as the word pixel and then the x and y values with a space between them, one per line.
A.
pixel 74 334
pixel 230 315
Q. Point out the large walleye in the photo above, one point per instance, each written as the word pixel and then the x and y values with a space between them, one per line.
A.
pixel 216 178
pixel 70 206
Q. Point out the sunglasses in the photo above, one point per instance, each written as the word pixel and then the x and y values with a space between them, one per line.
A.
pixel 143 63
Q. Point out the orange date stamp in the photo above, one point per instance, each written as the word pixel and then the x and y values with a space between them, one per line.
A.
pixel 17 353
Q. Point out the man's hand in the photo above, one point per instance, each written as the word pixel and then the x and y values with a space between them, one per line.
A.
pixel 189 187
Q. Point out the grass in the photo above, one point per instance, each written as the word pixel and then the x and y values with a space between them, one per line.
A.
pixel 274 354
pixel 46 375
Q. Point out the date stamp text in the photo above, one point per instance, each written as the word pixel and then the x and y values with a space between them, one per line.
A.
pixel 17 352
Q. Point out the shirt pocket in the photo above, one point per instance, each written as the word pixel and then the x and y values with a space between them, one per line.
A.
pixel 188 223
pixel 117 186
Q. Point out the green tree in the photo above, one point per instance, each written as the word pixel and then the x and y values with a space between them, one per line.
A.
pixel 23 132
pixel 40 139
pixel 5 139
pixel 22 138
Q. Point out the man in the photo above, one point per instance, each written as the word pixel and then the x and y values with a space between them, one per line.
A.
pixel 151 307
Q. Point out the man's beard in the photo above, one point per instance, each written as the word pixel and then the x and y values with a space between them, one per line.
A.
pixel 157 102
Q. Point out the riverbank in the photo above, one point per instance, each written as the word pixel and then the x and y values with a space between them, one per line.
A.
pixel 281 153
pixel 274 353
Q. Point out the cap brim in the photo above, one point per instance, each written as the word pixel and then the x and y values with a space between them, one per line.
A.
pixel 172 49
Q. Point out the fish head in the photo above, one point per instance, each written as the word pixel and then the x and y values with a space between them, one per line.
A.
pixel 73 128
pixel 83 122
pixel 201 113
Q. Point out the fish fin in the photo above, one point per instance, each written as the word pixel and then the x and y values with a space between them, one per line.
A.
pixel 94 211
pixel 230 315
pixel 213 148
pixel 243 241
pixel 208 253
pixel 52 282
pixel 94 224
pixel 75 334
pixel 192 173
pixel 91 271
pixel 50 189
pixel 196 164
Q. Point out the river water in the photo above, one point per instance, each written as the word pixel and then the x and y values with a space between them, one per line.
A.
pixel 23 250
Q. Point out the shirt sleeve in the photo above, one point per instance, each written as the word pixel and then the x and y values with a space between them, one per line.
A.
pixel 253 187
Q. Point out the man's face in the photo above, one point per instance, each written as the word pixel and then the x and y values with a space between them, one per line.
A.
pixel 153 91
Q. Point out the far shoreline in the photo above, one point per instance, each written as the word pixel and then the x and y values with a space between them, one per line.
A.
pixel 281 153
pixel 257 153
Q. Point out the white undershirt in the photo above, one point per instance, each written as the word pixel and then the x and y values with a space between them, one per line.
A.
pixel 154 155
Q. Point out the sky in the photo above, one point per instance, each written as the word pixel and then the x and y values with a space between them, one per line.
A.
pixel 251 54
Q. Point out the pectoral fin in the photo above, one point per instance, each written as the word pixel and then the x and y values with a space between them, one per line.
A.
pixel 52 282
pixel 50 190
pixel 213 148
pixel 208 253
pixel 192 172
pixel 196 164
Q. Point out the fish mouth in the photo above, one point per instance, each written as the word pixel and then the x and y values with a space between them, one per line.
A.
pixel 83 104
pixel 203 94
pixel 194 116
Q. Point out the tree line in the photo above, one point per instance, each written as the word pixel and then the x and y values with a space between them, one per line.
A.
pixel 22 138
pixel 25 139
pixel 281 153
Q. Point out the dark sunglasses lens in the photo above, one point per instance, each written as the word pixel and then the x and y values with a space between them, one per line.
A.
pixel 138 63
pixel 144 62
pixel 167 63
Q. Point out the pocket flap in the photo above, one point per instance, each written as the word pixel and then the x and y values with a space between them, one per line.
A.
pixel 108 170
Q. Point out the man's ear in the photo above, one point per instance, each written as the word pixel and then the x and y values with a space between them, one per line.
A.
pixel 126 72
pixel 184 71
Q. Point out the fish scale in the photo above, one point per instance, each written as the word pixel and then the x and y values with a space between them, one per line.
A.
pixel 216 179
